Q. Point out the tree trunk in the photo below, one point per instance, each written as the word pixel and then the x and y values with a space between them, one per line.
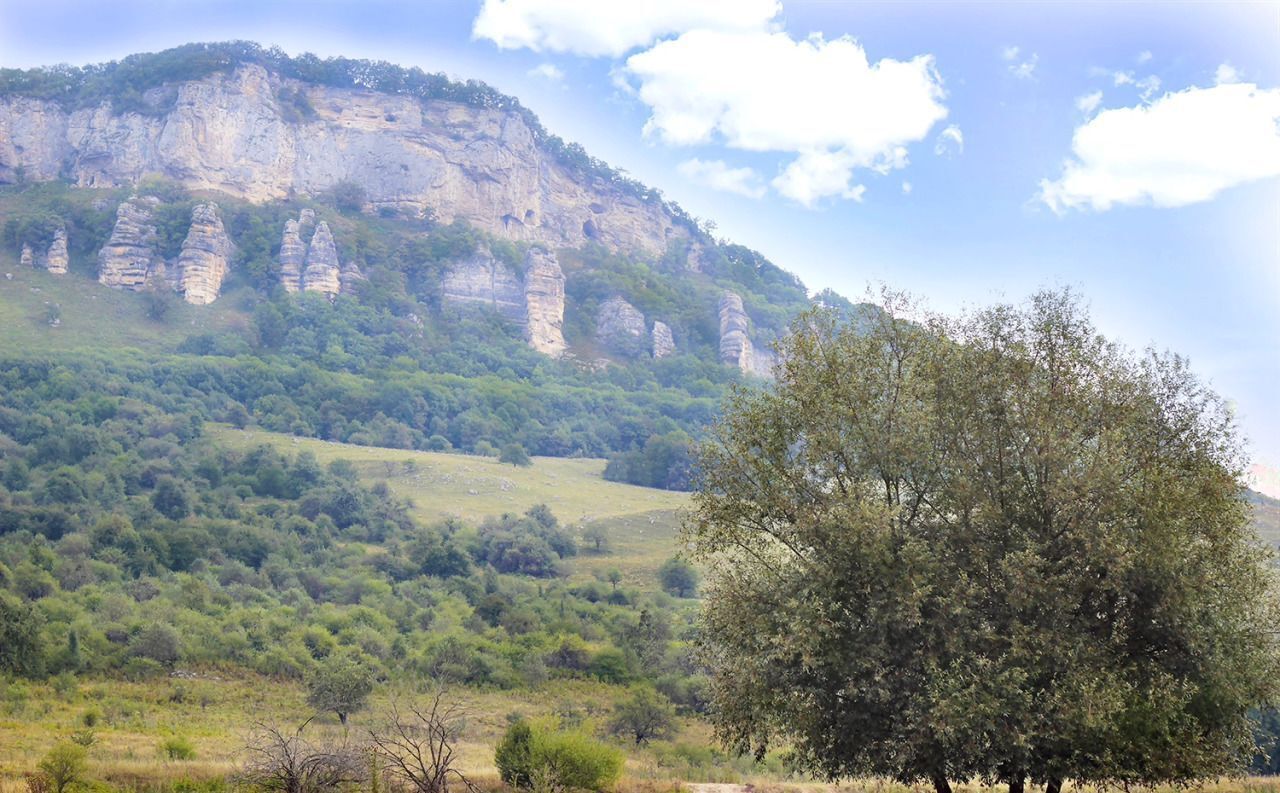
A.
pixel 1017 783
pixel 1053 785
pixel 940 783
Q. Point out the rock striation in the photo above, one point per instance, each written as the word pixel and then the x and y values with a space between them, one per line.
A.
pixel 229 132
pixel 736 348
pixel 293 257
pixel 56 259
pixel 664 343
pixel 544 303
pixel 129 259
pixel 482 280
pixel 205 257
pixel 322 273
pixel 620 328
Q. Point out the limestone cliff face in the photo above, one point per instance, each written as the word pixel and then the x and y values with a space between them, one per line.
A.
pixel 129 258
pixel 664 343
pixel 322 273
pixel 736 348
pixel 482 280
pixel 620 327
pixel 544 303
pixel 227 132
pixel 56 259
pixel 205 258
pixel 293 257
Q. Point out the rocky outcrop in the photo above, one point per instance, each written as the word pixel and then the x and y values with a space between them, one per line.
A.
pixel 28 259
pixel 349 277
pixel 228 132
pixel 544 303
pixel 205 258
pixel 736 348
pixel 306 219
pixel 56 259
pixel 620 328
pixel 293 257
pixel 129 258
pixel 664 343
pixel 482 280
pixel 322 274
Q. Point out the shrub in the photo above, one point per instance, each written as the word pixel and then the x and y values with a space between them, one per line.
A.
pixel 64 765
pixel 530 756
pixel 177 748
pixel 515 454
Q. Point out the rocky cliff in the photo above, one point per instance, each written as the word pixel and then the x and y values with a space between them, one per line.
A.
pixel 544 303
pixel 129 259
pixel 664 343
pixel 293 257
pixel 482 280
pixel 231 132
pixel 620 328
pixel 322 273
pixel 736 347
pixel 205 258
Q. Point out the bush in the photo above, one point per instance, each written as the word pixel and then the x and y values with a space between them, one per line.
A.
pixel 64 765
pixel 515 454
pixel 529 756
pixel 177 748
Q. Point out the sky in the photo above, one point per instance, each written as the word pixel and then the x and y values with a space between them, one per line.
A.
pixel 967 153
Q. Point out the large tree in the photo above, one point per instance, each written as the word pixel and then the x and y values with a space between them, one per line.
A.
pixel 996 547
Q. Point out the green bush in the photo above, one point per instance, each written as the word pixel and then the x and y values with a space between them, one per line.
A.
pixel 177 748
pixel 531 756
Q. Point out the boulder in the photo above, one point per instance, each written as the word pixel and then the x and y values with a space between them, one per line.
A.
pixel 544 302
pixel 205 257
pixel 620 328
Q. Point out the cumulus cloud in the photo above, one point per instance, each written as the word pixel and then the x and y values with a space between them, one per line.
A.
pixel 906 188
pixel 950 141
pixel 823 101
pixel 1143 56
pixel 1089 102
pixel 593 28
pixel 547 71
pixel 1226 73
pixel 1183 148
pixel 719 176
pixel 1022 68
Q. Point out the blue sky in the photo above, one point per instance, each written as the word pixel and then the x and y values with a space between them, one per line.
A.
pixel 1127 150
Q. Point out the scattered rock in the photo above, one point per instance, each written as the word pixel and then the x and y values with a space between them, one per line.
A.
pixel 205 258
pixel 663 342
pixel 323 273
pixel 620 327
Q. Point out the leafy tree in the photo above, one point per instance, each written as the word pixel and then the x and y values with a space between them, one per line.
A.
pixel 995 547
pixel 341 685
pixel 159 643
pixel 515 454
pixel 644 716
pixel 597 536
pixel 514 755
pixel 64 765
pixel 20 646
pixel 678 577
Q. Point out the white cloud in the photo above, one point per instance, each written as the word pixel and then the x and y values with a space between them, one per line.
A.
pixel 547 71
pixel 1183 148
pixel 906 188
pixel 1122 78
pixel 719 176
pixel 950 141
pixel 820 100
pixel 594 28
pixel 1226 73
pixel 1143 56
pixel 1024 69
pixel 1148 87
pixel 1010 53
pixel 1089 102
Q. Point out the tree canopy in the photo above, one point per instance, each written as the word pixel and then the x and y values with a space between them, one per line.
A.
pixel 998 546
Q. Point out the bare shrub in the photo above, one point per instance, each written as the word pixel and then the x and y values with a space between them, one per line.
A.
pixel 282 761
pixel 417 744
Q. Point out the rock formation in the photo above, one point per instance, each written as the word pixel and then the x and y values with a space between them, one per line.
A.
pixel 663 342
pixel 349 276
pixel 544 303
pixel 620 327
pixel 306 219
pixel 205 258
pixel 129 258
pixel 293 257
pixel 482 280
pixel 28 258
pixel 228 132
pixel 736 348
pixel 322 273
pixel 56 260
